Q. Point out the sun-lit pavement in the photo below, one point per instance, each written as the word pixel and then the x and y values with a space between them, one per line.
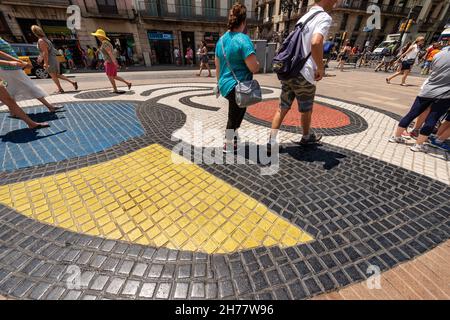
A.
pixel 101 192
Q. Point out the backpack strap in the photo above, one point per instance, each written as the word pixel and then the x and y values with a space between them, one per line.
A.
pixel 302 25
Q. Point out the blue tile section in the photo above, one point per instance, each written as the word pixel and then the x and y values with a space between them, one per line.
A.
pixel 82 129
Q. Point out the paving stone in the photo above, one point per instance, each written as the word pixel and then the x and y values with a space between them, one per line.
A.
pixel 181 290
pixel 131 287
pixel 163 291
pixel 147 290
pixel 115 285
pixel 99 283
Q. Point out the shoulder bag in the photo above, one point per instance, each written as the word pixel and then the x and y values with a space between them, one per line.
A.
pixel 247 92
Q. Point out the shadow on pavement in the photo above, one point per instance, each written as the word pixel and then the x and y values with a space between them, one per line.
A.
pixel 314 153
pixel 26 135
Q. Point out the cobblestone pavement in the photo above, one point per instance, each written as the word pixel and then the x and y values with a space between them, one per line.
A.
pixel 138 221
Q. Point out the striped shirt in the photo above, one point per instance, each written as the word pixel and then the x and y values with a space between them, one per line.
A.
pixel 6 48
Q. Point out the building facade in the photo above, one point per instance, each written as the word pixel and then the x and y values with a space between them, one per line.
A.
pixel 277 17
pixel 152 28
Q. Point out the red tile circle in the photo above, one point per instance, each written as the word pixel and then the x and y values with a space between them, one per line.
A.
pixel 323 117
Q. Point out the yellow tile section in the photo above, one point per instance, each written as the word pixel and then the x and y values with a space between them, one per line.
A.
pixel 145 198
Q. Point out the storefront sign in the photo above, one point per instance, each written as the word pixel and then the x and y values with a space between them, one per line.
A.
pixel 157 35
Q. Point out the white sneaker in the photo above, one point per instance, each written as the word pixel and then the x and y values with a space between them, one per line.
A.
pixel 419 148
pixel 394 139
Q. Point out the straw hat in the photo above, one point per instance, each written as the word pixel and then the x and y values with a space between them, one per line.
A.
pixel 100 33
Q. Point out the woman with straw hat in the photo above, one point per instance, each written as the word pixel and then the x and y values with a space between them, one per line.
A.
pixel 48 56
pixel 111 63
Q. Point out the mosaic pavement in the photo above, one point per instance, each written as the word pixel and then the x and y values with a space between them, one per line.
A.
pixel 141 222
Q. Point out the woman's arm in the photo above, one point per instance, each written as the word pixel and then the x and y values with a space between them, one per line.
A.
pixel 43 47
pixel 411 48
pixel 217 63
pixel 112 55
pixel 12 63
pixel 9 57
pixel 252 63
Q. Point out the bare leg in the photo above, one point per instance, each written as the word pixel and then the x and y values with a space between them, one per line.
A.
pixel 123 80
pixel 55 79
pixel 421 139
pixel 399 131
pixel 394 76
pixel 16 110
pixel 201 69
pixel 405 75
pixel 63 77
pixel 277 121
pixel 209 69
pixel 50 107
pixel 306 122
pixel 113 83
pixel 421 119
pixel 444 131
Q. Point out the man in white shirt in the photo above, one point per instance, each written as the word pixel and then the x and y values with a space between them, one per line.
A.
pixel 303 88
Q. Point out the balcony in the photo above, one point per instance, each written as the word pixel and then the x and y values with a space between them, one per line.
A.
pixel 160 10
pixel 111 12
pixel 40 3
pixel 361 6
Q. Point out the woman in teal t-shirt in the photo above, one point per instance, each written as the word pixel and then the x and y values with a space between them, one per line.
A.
pixel 240 53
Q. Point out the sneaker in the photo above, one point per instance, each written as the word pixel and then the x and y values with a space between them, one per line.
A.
pixel 418 148
pixel 414 134
pixel 406 135
pixel 441 145
pixel 394 139
pixel 313 139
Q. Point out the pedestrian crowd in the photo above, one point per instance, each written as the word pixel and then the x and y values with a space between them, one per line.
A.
pixel 16 86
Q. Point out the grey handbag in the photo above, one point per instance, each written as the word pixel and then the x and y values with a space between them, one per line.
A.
pixel 247 92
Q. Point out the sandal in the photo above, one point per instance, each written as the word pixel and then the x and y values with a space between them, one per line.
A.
pixel 75 85
pixel 118 92
pixel 388 81
pixel 59 92
pixel 56 109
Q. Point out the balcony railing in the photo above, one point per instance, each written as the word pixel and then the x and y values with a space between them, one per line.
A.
pixel 361 5
pixel 159 9
pixel 40 3
pixel 108 11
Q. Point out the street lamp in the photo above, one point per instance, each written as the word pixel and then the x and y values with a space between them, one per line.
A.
pixel 287 6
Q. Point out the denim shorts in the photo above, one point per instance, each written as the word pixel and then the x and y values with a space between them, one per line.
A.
pixel 297 88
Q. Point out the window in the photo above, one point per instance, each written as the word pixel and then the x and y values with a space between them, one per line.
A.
pixel 185 8
pixel 107 6
pixel 270 13
pixel 359 20
pixel 344 21
pixel 210 8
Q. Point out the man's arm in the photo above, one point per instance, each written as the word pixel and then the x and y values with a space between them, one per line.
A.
pixel 317 55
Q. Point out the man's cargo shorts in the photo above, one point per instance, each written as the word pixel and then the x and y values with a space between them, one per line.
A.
pixel 297 88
